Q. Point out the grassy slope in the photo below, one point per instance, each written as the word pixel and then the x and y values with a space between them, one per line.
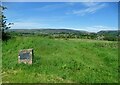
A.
pixel 61 61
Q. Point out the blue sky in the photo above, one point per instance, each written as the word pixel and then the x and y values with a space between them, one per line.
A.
pixel 88 16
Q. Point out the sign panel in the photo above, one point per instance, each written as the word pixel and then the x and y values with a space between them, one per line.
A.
pixel 25 56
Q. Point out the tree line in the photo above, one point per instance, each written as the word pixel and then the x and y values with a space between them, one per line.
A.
pixel 63 35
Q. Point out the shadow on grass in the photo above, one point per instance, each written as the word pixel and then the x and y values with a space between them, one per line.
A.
pixel 36 60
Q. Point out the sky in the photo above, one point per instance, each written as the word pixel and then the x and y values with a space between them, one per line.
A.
pixel 87 16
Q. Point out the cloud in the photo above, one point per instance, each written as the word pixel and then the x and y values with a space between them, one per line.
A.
pixel 51 7
pixel 89 4
pixel 96 28
pixel 27 25
pixel 99 28
pixel 90 8
pixel 31 25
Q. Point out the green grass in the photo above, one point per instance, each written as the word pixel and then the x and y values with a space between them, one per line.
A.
pixel 0 61
pixel 61 61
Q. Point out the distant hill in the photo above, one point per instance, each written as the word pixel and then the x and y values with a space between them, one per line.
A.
pixel 108 33
pixel 111 35
pixel 51 31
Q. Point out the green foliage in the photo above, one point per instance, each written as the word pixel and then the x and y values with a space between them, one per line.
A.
pixel 109 35
pixel 59 60
pixel 3 24
pixel 110 38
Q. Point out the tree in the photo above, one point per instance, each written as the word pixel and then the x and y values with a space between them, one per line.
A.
pixel 3 24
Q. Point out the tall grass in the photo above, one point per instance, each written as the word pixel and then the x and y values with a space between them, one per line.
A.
pixel 55 60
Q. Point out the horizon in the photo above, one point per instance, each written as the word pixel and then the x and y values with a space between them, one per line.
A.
pixel 63 29
pixel 86 16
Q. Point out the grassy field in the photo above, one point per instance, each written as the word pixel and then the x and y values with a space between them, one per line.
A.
pixel 59 60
